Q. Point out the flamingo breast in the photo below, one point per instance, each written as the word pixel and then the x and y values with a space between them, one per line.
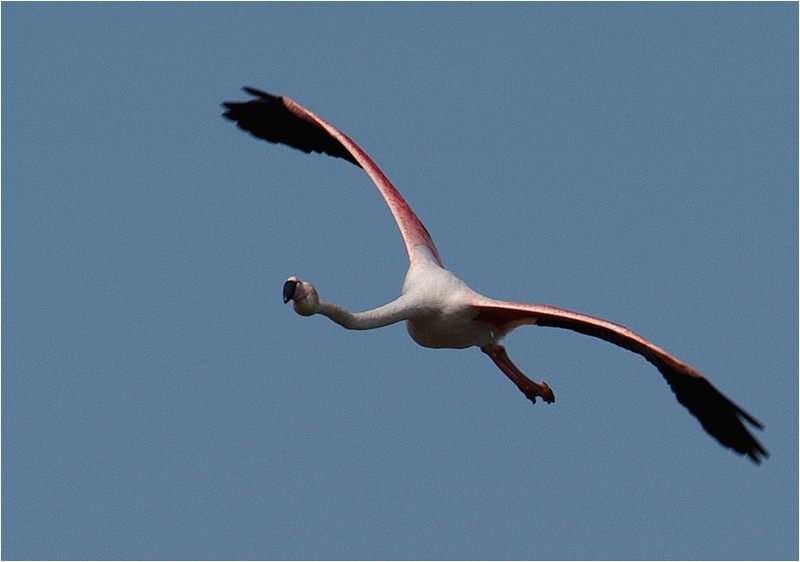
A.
pixel 444 316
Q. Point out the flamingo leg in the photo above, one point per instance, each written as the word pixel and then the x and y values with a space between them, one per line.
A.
pixel 528 387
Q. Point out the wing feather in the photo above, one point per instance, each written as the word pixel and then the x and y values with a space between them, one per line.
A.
pixel 718 414
pixel 281 120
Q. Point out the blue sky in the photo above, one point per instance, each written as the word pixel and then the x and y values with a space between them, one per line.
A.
pixel 632 161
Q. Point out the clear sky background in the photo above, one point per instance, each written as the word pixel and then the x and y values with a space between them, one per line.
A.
pixel 633 161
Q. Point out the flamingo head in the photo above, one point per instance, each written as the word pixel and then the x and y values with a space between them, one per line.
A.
pixel 303 294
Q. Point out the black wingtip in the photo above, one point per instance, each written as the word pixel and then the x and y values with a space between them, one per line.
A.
pixel 232 107
pixel 719 416
pixel 258 93
pixel 757 455
pixel 274 119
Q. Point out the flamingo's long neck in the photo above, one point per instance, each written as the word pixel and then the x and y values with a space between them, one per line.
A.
pixel 396 311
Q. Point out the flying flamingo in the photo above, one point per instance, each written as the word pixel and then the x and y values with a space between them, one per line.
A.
pixel 441 311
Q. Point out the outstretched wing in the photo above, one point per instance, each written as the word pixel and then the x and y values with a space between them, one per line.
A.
pixel 719 416
pixel 281 120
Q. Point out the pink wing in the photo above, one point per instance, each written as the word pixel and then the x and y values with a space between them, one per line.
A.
pixel 718 415
pixel 282 120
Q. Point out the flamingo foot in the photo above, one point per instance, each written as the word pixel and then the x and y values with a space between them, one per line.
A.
pixel 532 390
pixel 529 388
pixel 546 393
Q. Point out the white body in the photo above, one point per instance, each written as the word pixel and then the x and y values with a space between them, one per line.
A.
pixel 442 315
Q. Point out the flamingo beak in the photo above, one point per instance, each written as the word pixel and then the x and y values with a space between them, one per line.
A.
pixel 288 290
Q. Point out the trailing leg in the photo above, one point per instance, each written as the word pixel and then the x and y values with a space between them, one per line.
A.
pixel 528 387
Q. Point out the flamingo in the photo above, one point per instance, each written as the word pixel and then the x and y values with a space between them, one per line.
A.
pixel 441 311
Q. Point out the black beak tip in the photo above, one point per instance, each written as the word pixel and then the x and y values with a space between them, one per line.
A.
pixel 288 290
